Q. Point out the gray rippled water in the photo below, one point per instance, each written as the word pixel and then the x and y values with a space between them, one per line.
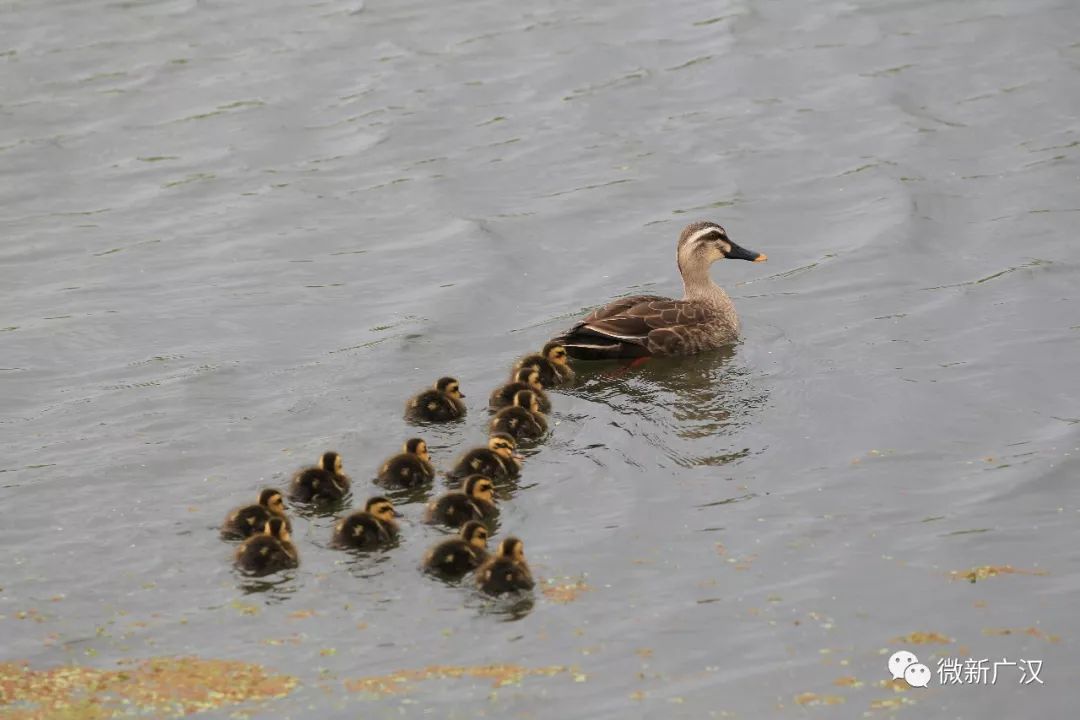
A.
pixel 236 234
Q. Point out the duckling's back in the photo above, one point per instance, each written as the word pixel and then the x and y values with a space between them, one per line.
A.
pixel 362 531
pixel 263 554
pixel 501 575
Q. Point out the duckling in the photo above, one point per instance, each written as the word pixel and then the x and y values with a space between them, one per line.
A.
pixel 457 556
pixel 323 483
pixel 246 521
pixel 523 419
pixel 270 551
pixel 552 363
pixel 527 378
pixel 409 468
pixel 497 461
pixel 475 501
pixel 369 528
pixel 507 571
pixel 437 404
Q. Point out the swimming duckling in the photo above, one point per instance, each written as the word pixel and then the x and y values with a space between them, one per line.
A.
pixel 369 528
pixel 270 551
pixel 523 419
pixel 552 363
pixel 475 501
pixel 409 468
pixel 527 378
pixel 251 519
pixel 437 404
pixel 457 556
pixel 507 571
pixel 323 483
pixel 497 461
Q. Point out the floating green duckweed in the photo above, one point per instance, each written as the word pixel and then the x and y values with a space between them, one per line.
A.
pixel 401 681
pixel 164 687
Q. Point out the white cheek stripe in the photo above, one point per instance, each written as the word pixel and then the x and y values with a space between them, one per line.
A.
pixel 700 234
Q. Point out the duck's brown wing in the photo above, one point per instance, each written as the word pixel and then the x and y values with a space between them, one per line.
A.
pixel 637 327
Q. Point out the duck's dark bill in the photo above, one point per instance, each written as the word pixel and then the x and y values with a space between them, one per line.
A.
pixel 740 253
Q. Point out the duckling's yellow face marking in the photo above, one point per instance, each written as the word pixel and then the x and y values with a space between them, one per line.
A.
pixel 484 490
pixel 479 538
pixel 422 452
pixel 384 511
pixel 557 355
pixel 501 447
pixel 454 390
pixel 276 505
pixel 534 380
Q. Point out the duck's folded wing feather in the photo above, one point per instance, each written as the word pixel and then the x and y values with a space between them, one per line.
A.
pixel 641 318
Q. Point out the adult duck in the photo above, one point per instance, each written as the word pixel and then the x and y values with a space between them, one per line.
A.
pixel 650 325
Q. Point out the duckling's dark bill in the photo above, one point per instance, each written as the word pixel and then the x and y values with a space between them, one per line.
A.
pixel 741 253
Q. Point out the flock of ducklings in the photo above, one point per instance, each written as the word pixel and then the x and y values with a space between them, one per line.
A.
pixel 519 408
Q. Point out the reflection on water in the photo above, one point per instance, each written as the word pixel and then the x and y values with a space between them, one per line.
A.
pixel 276 588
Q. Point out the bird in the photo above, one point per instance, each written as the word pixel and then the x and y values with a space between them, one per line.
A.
pixel 551 362
pixel 243 522
pixel 268 552
pixel 439 403
pixel 644 326
pixel 527 378
pixel 456 556
pixel 474 501
pixel 507 571
pixel 367 529
pixel 323 483
pixel 497 461
pixel 523 419
pixel 409 468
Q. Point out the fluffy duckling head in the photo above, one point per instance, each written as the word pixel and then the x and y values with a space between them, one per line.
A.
pixel 474 533
pixel 277 528
pixel 527 399
pixel 529 376
pixel 706 242
pixel 502 444
pixel 450 386
pixel 271 499
pixel 512 549
pixel 331 462
pixel 479 488
pixel 382 509
pixel 417 447
pixel 555 353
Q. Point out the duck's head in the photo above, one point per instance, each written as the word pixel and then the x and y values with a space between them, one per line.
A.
pixel 331 462
pixel 705 242
pixel 381 508
pixel 479 487
pixel 417 447
pixel 555 353
pixel 512 549
pixel 271 499
pixel 503 445
pixel 527 399
pixel 474 533
pixel 277 528
pixel 450 386
pixel 529 376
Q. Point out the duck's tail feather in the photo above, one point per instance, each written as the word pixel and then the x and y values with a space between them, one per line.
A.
pixel 583 343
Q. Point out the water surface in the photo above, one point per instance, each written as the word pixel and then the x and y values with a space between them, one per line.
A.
pixel 238 234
